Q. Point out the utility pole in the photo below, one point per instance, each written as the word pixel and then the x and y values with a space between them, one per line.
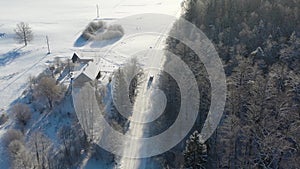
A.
pixel 47 40
pixel 97 11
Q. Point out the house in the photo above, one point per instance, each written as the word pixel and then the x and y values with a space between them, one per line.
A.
pixel 76 59
pixel 89 73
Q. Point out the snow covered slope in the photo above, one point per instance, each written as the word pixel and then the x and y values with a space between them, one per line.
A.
pixel 62 21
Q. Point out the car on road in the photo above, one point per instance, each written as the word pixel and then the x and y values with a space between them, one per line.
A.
pixel 150 81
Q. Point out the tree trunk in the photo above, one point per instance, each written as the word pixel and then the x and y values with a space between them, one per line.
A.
pixel 50 103
pixel 24 34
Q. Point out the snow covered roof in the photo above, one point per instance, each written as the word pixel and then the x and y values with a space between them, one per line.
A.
pixel 87 73
pixel 91 70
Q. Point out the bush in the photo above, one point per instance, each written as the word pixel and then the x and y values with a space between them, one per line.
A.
pixel 109 35
pixel 15 147
pixel 95 26
pixel 3 118
pixel 12 135
pixel 22 113
pixel 113 31
pixel 117 28
pixel 20 157
pixel 90 31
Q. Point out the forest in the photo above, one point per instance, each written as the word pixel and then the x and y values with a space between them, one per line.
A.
pixel 259 44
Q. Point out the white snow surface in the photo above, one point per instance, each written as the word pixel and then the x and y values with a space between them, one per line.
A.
pixel 63 21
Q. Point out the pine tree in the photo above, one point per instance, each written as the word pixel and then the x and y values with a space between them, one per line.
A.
pixel 195 155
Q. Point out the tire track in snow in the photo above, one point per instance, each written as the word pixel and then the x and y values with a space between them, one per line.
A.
pixel 141 112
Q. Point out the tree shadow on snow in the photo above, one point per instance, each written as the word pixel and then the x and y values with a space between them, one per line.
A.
pixel 8 57
pixel 80 42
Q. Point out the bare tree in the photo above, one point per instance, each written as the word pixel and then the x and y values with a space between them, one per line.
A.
pixel 20 157
pixel 22 113
pixel 133 73
pixel 47 88
pixel 12 135
pixel 73 141
pixel 23 33
pixel 40 146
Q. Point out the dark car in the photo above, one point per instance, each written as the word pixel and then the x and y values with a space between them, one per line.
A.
pixel 150 81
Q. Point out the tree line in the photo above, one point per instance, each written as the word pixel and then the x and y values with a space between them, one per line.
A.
pixel 258 42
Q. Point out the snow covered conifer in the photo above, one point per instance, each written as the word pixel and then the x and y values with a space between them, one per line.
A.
pixel 195 153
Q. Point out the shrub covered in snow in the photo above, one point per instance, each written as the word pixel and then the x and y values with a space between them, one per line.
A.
pixel 12 135
pixel 92 28
pixel 112 32
pixel 97 30
pixel 21 113
pixel 3 118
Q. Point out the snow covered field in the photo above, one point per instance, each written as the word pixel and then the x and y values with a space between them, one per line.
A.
pixel 63 21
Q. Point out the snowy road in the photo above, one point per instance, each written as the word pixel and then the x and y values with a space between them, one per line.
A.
pixel 144 109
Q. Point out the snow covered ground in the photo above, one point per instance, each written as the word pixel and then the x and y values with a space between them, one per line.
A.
pixel 144 110
pixel 62 21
